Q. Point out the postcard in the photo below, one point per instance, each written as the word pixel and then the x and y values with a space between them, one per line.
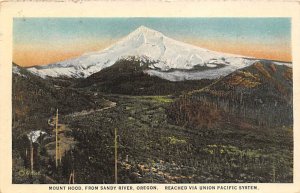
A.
pixel 149 96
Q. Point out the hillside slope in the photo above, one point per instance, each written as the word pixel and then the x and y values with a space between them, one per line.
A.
pixel 260 94
pixel 34 98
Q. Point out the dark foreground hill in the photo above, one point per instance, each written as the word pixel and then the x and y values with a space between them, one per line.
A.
pixel 126 76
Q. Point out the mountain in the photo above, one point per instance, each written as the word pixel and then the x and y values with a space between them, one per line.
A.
pixel 165 57
pixel 260 95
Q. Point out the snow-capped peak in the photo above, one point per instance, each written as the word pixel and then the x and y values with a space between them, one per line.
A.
pixel 145 31
pixel 166 53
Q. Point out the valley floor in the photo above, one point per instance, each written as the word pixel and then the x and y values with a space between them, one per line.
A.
pixel 153 150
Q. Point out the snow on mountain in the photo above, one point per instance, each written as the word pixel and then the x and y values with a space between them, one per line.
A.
pixel 147 44
pixel 195 75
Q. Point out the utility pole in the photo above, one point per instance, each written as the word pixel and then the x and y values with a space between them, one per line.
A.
pixel 72 174
pixel 31 157
pixel 72 177
pixel 273 172
pixel 56 139
pixel 116 157
pixel 59 152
